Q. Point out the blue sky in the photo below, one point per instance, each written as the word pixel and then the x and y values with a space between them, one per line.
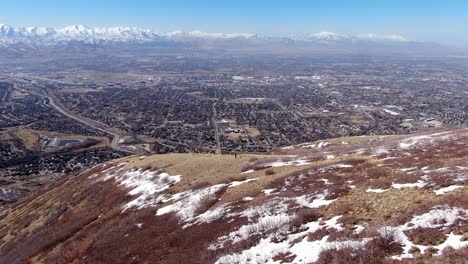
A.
pixel 443 21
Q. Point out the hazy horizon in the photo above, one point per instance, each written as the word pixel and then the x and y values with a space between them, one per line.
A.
pixel 443 22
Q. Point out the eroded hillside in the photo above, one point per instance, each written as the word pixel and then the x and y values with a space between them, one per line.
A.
pixel 380 199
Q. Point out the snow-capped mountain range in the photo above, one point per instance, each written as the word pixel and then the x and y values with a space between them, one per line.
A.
pixel 101 35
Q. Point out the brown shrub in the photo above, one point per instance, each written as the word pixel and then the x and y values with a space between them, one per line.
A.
pixel 305 215
pixel 160 240
pixel 425 236
pixel 441 180
pixel 231 248
pixel 355 162
pixel 369 232
pixel 348 220
pixel 376 172
pixel 414 250
pixel 270 172
pixel 284 257
pixel 385 243
pixel 456 200
pixel 431 251
pixel 205 204
pixel 345 234
pixel 348 255
pixel 25 221
pixel 277 183
pixel 452 256
pixel 318 235
pixel 405 216
pixel 402 177
pixel 342 208
pixel 460 227
pixel 72 250
pixel 336 256
pixel 335 191
pixel 381 183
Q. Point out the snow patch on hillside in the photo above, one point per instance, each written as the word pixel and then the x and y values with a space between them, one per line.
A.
pixel 445 190
pixel 297 244
pixel 143 184
pixel 188 202
pixel 314 201
pixel 376 190
pixel 418 184
pixel 439 217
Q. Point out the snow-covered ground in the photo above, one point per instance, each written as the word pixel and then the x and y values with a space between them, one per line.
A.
pixel 418 184
pixel 305 250
pixel 143 184
pixel 376 190
pixel 297 244
pixel 447 189
pixel 440 217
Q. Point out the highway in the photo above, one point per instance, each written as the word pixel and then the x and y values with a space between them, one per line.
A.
pixel 86 121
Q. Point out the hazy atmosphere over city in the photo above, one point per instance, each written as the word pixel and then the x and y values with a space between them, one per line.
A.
pixel 234 131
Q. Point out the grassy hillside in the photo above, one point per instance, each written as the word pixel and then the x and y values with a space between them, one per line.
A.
pixel 380 199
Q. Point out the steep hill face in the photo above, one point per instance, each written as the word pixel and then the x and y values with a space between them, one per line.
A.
pixel 392 199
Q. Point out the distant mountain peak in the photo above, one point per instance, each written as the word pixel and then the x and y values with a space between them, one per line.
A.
pixel 327 35
pixel 5 30
pixel 43 36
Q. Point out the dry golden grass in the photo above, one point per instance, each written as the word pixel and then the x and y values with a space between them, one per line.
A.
pixel 194 168
pixel 212 169
pixel 379 208
pixel 15 94
pixel 29 137
pixel 252 131
pixel 358 119
pixel 5 135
